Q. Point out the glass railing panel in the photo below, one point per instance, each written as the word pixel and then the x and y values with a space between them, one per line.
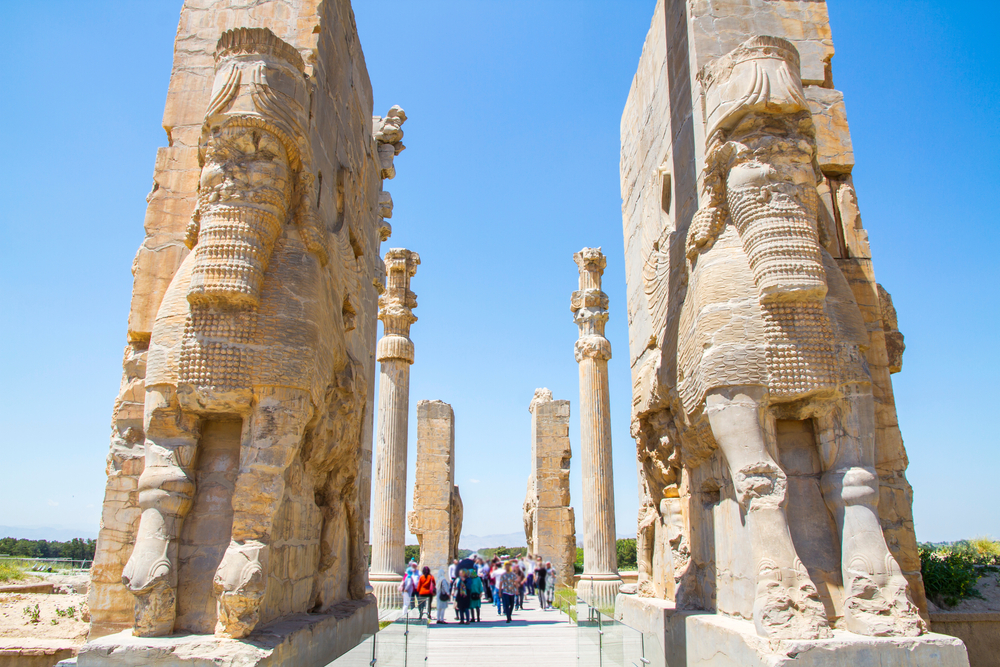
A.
pixel 604 642
pixel 400 642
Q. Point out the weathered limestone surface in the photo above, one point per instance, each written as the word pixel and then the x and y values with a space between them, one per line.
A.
pixel 238 474
pixel 298 639
pixel 395 354
pixel 771 466
pixel 549 523
pixel 600 581
pixel 717 641
pixel 435 497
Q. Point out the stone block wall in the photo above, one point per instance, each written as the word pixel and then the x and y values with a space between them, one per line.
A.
pixel 433 514
pixel 549 522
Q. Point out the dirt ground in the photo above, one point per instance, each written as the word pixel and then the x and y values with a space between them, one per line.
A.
pixel 989 587
pixel 54 621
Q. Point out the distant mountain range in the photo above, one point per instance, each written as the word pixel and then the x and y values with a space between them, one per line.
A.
pixel 46 533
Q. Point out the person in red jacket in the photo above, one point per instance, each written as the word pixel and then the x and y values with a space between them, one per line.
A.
pixel 426 589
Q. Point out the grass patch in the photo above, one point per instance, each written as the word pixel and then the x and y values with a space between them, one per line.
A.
pixel 382 625
pixel 10 572
pixel 950 571
pixel 565 601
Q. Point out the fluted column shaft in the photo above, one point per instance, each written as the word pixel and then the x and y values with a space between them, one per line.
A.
pixel 600 552
pixel 389 507
pixel 600 581
pixel 395 354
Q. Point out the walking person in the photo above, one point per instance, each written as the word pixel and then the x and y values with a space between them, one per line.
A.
pixel 462 597
pixel 475 596
pixel 495 572
pixel 484 576
pixel 426 590
pixel 408 586
pixel 444 595
pixel 550 584
pixel 508 589
pixel 519 594
pixel 528 567
pixel 540 574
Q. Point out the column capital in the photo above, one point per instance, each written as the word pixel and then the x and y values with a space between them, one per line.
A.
pixel 396 304
pixel 590 305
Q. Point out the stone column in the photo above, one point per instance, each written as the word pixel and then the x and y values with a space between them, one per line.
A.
pixel 549 523
pixel 600 581
pixel 395 354
pixel 434 490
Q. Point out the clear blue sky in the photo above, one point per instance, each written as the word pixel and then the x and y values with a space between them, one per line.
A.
pixel 512 165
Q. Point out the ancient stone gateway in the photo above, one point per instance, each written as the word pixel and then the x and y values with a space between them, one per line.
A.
pixel 771 465
pixel 436 518
pixel 549 524
pixel 395 355
pixel 240 459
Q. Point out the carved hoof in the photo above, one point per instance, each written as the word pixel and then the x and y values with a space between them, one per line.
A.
pixel 240 582
pixel 148 566
pixel 876 604
pixel 787 605
pixel 356 587
pixel 155 611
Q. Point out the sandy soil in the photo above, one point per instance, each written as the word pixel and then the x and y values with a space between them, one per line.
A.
pixel 16 625
pixel 989 587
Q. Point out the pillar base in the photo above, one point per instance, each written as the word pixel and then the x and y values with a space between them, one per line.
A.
pixel 599 590
pixel 386 589
pixel 720 641
pixel 310 640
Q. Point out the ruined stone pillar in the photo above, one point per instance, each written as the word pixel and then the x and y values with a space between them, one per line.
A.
pixel 549 523
pixel 433 519
pixel 600 581
pixel 395 354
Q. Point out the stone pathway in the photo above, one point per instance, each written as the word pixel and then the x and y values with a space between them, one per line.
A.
pixel 533 638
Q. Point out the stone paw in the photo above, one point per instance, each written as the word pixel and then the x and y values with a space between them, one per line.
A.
pixel 239 584
pixel 155 611
pixel 787 605
pixel 877 604
pixel 150 564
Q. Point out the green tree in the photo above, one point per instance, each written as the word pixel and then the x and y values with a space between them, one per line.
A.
pixel 411 552
pixel 626 554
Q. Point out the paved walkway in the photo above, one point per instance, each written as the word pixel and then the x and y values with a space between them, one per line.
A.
pixel 534 638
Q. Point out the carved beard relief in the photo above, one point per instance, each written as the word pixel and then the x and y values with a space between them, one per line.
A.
pixel 245 193
pixel 244 200
pixel 776 218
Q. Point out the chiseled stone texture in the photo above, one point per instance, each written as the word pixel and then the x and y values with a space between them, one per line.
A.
pixel 308 640
pixel 432 518
pixel 549 523
pixel 703 320
pixel 717 641
pixel 293 373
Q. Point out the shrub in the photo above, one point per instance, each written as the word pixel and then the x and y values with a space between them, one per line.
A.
pixel 10 572
pixel 950 571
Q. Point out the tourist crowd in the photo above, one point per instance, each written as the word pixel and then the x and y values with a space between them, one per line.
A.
pixel 466 585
